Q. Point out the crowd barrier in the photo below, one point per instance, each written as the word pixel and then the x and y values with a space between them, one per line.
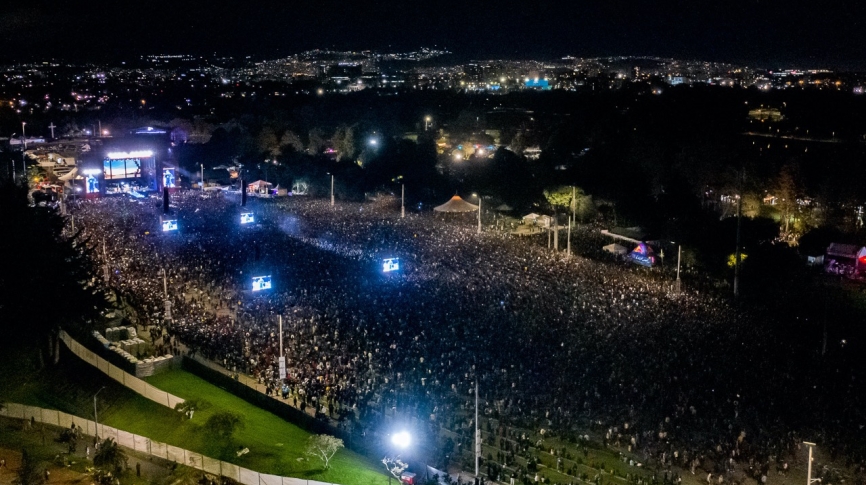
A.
pixel 149 447
pixel 156 395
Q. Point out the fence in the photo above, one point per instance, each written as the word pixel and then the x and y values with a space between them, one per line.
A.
pixel 149 447
pixel 156 395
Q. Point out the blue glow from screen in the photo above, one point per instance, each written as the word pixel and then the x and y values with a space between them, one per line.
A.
pixel 261 283
pixel 390 264
pixel 247 218
pixel 169 225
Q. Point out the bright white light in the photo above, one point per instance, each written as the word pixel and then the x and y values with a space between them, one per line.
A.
pixel 458 156
pixel 135 154
pixel 373 141
pixel 481 151
pixel 91 171
pixel 401 439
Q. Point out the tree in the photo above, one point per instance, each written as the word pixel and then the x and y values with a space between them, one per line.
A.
pixel 45 262
pixel 558 197
pixel 323 447
pixel 110 458
pixel 395 466
pixel 223 425
pixel 190 406
pixel 290 139
pixel 344 142
pixel 30 472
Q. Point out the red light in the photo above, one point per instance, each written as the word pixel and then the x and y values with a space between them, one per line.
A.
pixel 862 259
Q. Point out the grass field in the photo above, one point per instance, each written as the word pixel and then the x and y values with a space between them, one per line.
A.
pixel 276 446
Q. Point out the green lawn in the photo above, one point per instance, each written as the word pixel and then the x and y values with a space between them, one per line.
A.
pixel 276 446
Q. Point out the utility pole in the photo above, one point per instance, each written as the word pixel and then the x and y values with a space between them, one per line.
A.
pixel 479 214
pixel 96 416
pixel 282 358
pixel 477 431
pixel 737 252
pixel 809 479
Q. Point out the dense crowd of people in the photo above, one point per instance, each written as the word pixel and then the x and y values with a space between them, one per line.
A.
pixel 565 347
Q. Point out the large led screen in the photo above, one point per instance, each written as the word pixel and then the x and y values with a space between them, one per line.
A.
pixel 168 179
pixel 122 168
pixel 261 283
pixel 390 264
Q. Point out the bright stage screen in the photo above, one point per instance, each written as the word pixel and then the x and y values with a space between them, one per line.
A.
pixel 91 184
pixel 247 218
pixel 122 168
pixel 169 225
pixel 168 179
pixel 261 283
pixel 390 264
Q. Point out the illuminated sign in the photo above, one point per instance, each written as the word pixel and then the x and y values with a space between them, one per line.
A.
pixel 390 264
pixel 261 283
pixel 247 218
pixel 134 154
pixel 169 225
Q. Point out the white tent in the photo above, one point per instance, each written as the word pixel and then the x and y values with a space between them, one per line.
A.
pixel 69 176
pixel 538 220
pixel 456 204
pixel 616 249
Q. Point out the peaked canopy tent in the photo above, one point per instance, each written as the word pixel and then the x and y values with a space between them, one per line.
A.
pixel 456 204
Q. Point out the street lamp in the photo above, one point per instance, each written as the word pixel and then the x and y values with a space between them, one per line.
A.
pixel 402 201
pixel 400 440
pixel 23 134
pixel 96 416
pixel 427 120
pixel 479 212
pixel 332 189
pixel 809 479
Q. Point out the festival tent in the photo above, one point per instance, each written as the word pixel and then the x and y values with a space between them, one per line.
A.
pixel 616 249
pixel 260 187
pixel 643 254
pixel 69 176
pixel 538 220
pixel 456 204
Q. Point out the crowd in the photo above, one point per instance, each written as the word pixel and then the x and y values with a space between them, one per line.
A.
pixel 562 347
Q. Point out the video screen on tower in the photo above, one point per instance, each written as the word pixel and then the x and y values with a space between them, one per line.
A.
pixel 247 218
pixel 169 225
pixel 168 178
pixel 390 264
pixel 91 184
pixel 261 283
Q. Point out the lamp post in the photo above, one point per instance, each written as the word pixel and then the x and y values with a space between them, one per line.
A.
pixel 679 258
pixel 400 440
pixel 96 416
pixel 12 160
pixel 809 479
pixel 427 120
pixel 479 212
pixel 202 178
pixel 402 200
pixel 23 134
pixel 332 190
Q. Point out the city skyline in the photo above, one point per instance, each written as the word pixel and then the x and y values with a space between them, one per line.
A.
pixel 746 32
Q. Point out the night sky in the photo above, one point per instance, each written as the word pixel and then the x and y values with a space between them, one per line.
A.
pixel 765 33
